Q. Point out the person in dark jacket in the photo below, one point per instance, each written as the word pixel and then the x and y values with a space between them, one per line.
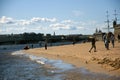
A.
pixel 45 46
pixel 93 41
pixel 113 40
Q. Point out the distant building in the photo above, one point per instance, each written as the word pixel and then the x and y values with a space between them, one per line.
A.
pixel 116 30
pixel 98 34
pixel 54 34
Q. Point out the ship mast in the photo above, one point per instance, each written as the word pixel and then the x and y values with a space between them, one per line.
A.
pixel 115 14
pixel 108 21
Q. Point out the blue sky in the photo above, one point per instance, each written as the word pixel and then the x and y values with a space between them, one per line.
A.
pixel 60 16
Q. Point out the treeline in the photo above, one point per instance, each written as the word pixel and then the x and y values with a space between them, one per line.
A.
pixel 21 38
pixel 37 37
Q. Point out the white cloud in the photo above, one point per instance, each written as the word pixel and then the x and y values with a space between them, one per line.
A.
pixel 68 25
pixel 68 21
pixel 59 26
pixel 23 22
pixel 38 19
pixel 79 27
pixel 46 25
pixel 6 20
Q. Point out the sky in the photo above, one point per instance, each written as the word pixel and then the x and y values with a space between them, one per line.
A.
pixel 60 16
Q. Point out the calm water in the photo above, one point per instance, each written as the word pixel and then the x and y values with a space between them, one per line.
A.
pixel 16 65
pixel 20 67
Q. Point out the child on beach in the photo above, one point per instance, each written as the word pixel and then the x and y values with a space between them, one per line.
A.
pixel 93 44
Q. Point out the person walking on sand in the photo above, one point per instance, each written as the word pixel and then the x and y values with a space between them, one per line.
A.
pixel 112 40
pixel 104 37
pixel 93 41
pixel 107 41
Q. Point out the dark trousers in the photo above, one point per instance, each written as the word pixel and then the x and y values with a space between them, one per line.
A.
pixel 93 46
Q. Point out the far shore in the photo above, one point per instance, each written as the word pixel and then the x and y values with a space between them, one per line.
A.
pixel 103 61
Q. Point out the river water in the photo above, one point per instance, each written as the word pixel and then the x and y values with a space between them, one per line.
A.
pixel 17 65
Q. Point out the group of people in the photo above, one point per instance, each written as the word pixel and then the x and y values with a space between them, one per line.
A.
pixel 107 38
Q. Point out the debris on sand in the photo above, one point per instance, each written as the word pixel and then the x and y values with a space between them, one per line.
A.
pixel 112 63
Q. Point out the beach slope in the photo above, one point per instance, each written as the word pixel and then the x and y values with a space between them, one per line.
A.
pixel 102 61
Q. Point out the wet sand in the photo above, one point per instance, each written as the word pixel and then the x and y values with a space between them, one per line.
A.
pixel 103 61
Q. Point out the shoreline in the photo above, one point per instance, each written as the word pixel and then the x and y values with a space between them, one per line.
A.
pixel 78 55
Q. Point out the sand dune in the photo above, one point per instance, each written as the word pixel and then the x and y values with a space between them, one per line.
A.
pixel 102 61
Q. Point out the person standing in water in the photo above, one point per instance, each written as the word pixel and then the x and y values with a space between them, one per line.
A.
pixel 32 46
pixel 93 41
pixel 46 44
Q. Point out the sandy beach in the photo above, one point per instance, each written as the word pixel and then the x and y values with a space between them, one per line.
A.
pixel 103 61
